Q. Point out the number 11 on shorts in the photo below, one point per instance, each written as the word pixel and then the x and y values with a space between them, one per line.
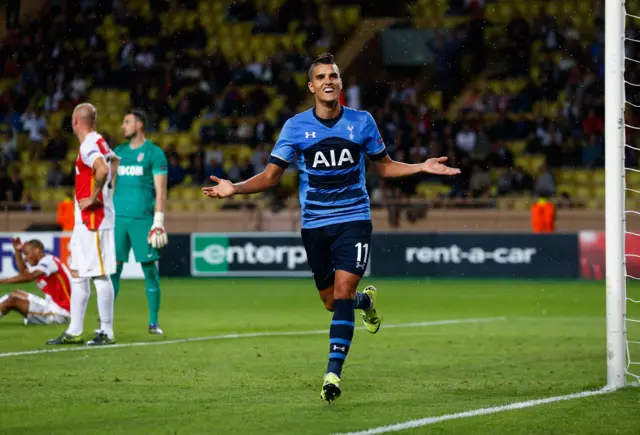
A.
pixel 363 252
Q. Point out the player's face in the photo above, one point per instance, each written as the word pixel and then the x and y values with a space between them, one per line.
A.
pixel 130 127
pixel 32 255
pixel 326 83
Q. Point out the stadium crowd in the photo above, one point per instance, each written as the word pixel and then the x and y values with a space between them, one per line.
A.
pixel 551 58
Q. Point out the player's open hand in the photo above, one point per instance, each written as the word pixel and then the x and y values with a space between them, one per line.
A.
pixel 224 189
pixel 89 203
pixel 17 244
pixel 436 166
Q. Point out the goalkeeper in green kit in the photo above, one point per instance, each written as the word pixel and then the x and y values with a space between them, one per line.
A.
pixel 139 203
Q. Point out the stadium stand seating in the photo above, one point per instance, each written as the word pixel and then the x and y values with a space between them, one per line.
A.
pixel 507 90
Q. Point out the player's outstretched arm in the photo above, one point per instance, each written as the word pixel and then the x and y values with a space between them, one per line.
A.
pixel 23 273
pixel 17 249
pixel 23 277
pixel 258 183
pixel 389 168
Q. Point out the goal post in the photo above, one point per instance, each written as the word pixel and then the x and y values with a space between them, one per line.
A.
pixel 615 193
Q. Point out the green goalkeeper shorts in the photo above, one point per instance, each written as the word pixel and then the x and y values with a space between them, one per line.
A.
pixel 133 233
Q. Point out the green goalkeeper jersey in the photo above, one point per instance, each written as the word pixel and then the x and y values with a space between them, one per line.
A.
pixel 135 195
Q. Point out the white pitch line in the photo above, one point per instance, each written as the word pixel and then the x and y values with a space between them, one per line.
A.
pixel 412 424
pixel 244 335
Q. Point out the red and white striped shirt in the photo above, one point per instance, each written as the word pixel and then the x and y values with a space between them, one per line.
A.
pixel 56 281
pixel 92 148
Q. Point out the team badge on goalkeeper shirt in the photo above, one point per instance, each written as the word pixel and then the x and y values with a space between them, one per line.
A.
pixel 140 157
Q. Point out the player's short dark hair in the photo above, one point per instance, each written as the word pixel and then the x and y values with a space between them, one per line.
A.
pixel 323 59
pixel 35 243
pixel 140 116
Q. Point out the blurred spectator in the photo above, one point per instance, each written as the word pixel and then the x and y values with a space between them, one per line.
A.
pixel 545 183
pixel 480 182
pixel 78 87
pixel 36 125
pixel 593 124
pixel 57 147
pixel 518 43
pixel 15 187
pixel 55 177
pixel 353 94
pixel 505 182
pixel 571 153
pixel 8 146
pixel 53 97
pixel 246 169
pixel 263 131
pixel 215 169
pixel 466 139
pixel 259 159
pixel 139 98
pixel 175 172
pixel 501 156
pixel 126 54
pixel 197 170
pixel 241 10
pixel 593 152
pixel 522 182
pixel 234 174
pixel 145 59
pixel 5 184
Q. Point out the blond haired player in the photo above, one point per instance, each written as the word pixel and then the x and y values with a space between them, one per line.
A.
pixel 51 276
pixel 93 254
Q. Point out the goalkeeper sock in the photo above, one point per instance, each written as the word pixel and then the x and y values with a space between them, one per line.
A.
pixel 363 301
pixel 340 334
pixel 115 279
pixel 152 282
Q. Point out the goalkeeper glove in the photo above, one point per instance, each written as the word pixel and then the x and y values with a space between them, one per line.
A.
pixel 157 236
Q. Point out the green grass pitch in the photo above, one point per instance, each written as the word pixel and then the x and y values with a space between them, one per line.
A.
pixel 551 342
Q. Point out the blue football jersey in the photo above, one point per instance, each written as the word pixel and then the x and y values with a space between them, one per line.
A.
pixel 330 156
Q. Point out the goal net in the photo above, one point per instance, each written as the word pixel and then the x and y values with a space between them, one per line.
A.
pixel 622 106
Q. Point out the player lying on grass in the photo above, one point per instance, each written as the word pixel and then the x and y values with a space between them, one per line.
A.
pixel 139 202
pixel 50 274
pixel 330 142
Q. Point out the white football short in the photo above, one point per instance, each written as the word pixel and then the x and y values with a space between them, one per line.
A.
pixel 93 253
pixel 45 312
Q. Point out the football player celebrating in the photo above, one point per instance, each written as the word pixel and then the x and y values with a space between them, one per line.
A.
pixel 328 144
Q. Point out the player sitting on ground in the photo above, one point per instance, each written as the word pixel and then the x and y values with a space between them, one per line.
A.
pixel 139 203
pixel 330 142
pixel 53 278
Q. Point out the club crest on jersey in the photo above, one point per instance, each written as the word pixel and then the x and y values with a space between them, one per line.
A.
pixel 307 135
pixel 140 157
pixel 328 159
pixel 351 135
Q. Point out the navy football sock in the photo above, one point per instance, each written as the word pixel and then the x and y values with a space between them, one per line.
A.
pixel 340 334
pixel 363 301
